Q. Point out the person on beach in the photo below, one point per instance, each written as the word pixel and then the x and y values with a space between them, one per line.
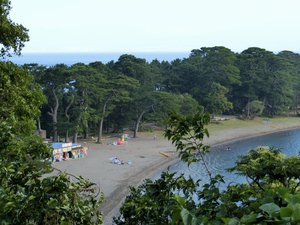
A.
pixel 117 161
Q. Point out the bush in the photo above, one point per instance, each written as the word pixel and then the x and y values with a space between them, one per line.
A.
pixel 271 195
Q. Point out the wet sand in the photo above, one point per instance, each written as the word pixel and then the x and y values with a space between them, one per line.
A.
pixel 146 158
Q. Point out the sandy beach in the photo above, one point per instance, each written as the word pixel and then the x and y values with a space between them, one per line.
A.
pixel 145 158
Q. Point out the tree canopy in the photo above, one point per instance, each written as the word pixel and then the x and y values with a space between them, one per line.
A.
pixel 13 35
pixel 27 196
pixel 251 83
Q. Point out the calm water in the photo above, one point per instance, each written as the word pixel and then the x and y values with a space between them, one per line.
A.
pixel 50 59
pixel 219 158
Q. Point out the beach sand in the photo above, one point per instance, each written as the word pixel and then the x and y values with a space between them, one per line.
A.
pixel 147 155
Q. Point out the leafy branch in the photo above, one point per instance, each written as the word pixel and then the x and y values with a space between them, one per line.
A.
pixel 188 133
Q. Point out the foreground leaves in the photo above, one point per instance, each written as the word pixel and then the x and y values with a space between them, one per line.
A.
pixel 26 195
pixel 271 195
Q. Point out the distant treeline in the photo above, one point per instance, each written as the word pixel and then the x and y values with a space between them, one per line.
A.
pixel 87 99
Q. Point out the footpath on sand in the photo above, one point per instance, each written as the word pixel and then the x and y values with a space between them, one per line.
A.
pixel 149 154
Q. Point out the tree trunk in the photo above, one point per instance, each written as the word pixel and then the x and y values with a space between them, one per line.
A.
pixel 75 137
pixel 296 107
pixel 107 126
pixel 100 131
pixel 39 124
pixel 137 123
pixel 53 114
pixel 264 104
pixel 248 109
pixel 67 136
pixel 102 119
pixel 86 130
pixel 68 118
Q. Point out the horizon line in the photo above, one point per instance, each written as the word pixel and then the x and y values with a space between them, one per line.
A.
pixel 142 52
pixel 110 52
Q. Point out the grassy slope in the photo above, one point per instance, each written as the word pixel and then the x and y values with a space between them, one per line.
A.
pixel 257 122
pixel 234 125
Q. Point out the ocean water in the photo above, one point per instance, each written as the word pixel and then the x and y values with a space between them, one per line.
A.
pixel 219 158
pixel 50 59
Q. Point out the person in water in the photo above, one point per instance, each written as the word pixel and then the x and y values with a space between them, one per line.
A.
pixel 228 148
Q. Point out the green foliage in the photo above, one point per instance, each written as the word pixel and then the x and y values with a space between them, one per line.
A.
pixel 143 96
pixel 271 195
pixel 126 92
pixel 217 103
pixel 187 133
pixel 213 65
pixel 12 35
pixel 51 200
pixel 219 65
pixel 27 194
pixel 164 103
pixel 141 206
pixel 263 164
pixel 20 100
pixel 292 60
pixel 254 108
pixel 265 77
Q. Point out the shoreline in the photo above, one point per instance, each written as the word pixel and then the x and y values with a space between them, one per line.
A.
pixel 213 143
pixel 115 210
pixel 144 152
pixel 241 138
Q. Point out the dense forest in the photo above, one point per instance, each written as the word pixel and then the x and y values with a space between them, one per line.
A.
pixel 91 99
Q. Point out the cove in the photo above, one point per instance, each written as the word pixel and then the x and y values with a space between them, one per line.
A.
pixel 219 158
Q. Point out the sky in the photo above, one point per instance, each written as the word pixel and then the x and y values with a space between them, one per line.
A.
pixel 72 26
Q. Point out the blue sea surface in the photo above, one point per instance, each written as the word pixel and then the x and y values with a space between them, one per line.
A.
pixel 50 59
pixel 219 158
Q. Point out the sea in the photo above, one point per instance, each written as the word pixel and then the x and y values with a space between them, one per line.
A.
pixel 51 59
pixel 220 158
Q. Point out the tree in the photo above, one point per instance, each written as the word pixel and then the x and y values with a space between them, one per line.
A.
pixel 293 60
pixel 186 76
pixel 37 71
pixel 54 81
pixel 141 206
pixel 265 77
pixel 165 103
pixel 115 88
pixel 254 108
pixel 81 94
pixel 172 80
pixel 216 101
pixel 142 97
pixel 196 74
pixel 217 64
pixel 26 195
pixel 118 90
pixel 13 35
pixel 24 161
